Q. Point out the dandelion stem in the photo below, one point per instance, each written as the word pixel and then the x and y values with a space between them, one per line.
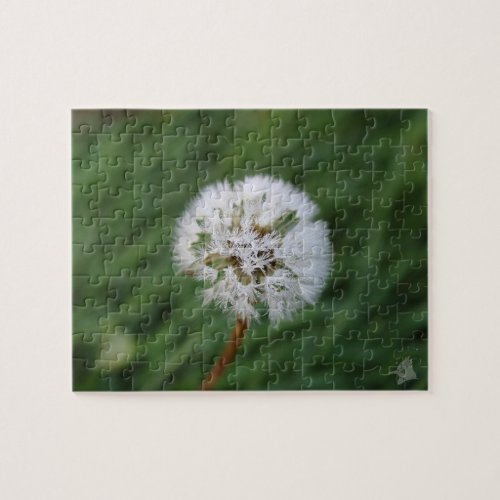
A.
pixel 227 356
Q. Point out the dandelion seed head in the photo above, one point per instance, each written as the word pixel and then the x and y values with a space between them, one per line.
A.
pixel 256 241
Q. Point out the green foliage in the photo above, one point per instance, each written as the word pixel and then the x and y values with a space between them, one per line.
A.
pixel 286 222
pixel 137 325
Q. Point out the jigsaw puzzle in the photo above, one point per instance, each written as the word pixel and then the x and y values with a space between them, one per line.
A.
pixel 249 249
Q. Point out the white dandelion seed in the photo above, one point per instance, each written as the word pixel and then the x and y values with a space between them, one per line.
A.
pixel 256 241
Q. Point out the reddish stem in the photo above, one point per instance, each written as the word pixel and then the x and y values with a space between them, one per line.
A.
pixel 227 356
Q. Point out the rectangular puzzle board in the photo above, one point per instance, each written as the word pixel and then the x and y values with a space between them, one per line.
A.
pixel 140 322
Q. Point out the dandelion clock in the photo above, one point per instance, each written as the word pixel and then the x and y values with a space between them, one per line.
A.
pixel 257 241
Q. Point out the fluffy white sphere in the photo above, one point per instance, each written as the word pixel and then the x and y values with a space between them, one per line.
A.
pixel 256 241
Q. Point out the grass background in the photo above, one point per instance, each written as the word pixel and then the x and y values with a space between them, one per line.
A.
pixel 138 326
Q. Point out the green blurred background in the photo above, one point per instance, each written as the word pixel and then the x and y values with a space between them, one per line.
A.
pixel 138 326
